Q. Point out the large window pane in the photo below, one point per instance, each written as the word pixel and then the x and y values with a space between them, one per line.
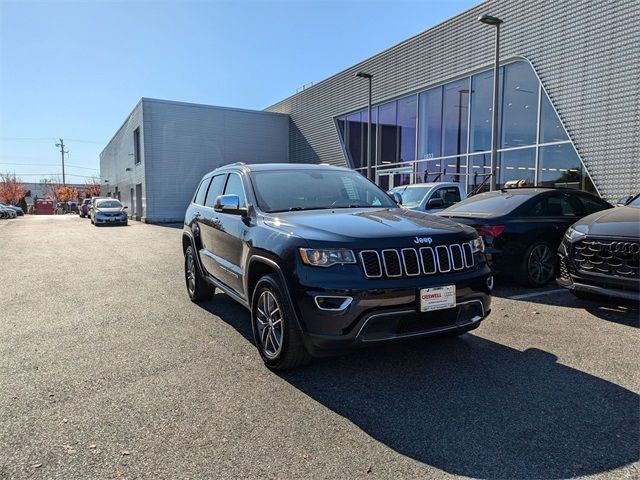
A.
pixel 560 166
pixel 407 109
pixel 454 117
pixel 430 124
pixel 481 110
pixel 388 132
pixel 454 169
pixel 517 165
pixel 428 170
pixel 374 126
pixel 479 170
pixel 519 105
pixel 354 139
pixel 551 130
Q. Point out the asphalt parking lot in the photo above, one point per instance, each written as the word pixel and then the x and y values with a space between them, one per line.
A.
pixel 107 370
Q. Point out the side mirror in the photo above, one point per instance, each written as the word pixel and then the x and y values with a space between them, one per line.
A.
pixel 125 207
pixel 228 204
pixel 435 203
pixel 396 197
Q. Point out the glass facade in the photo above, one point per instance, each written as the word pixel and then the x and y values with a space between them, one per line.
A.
pixel 444 133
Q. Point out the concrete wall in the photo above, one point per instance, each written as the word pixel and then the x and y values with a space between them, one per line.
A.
pixel 185 141
pixel 180 142
pixel 588 64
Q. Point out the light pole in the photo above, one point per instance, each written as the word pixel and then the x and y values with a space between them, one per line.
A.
pixel 369 77
pixel 495 21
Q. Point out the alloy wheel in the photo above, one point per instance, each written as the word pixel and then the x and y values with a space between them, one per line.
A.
pixel 541 264
pixel 269 324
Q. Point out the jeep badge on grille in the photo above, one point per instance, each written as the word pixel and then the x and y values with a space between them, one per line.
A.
pixel 423 240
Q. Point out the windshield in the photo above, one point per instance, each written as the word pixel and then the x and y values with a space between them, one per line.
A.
pixel 635 202
pixel 108 204
pixel 313 189
pixel 411 196
pixel 489 203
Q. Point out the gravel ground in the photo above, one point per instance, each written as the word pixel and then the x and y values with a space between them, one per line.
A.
pixel 107 370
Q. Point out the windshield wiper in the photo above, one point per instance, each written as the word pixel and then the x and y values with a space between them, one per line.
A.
pixel 297 209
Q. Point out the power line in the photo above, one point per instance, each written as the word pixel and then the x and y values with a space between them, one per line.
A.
pixel 48 165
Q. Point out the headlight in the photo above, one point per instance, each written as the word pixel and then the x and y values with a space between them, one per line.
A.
pixel 571 234
pixel 477 245
pixel 326 258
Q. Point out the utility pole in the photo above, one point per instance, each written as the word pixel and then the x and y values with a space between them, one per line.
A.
pixel 62 152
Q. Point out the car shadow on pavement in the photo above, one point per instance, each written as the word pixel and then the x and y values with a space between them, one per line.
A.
pixel 473 407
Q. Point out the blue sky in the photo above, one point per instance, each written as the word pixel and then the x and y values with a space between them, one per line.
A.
pixel 76 69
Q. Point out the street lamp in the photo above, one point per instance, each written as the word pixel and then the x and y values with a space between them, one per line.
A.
pixel 369 77
pixel 495 21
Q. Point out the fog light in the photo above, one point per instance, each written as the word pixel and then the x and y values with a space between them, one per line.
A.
pixel 332 303
pixel 490 282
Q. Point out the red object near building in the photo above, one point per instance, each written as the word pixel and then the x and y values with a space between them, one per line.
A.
pixel 44 206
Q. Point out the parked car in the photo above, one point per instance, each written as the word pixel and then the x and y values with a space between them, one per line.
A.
pixel 523 227
pixel 325 260
pixel 72 207
pixel 600 254
pixel 83 208
pixel 108 211
pixel 7 212
pixel 18 210
pixel 431 197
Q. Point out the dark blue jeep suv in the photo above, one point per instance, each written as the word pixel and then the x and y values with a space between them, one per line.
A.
pixel 325 260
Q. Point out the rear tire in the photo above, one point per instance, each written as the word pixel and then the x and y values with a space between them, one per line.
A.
pixel 276 332
pixel 539 265
pixel 197 287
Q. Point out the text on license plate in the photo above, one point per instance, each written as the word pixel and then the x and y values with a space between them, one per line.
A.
pixel 437 298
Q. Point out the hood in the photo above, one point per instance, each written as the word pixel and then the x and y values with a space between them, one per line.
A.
pixel 370 227
pixel 613 222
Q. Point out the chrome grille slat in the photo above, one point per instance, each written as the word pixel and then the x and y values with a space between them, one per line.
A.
pixel 391 262
pixel 371 262
pixel 468 255
pixel 428 261
pixel 457 260
pixel 443 258
pixel 410 262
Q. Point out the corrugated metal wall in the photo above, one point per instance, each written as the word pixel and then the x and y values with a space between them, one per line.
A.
pixel 184 141
pixel 586 53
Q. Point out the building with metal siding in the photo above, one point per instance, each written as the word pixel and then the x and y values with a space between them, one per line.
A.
pixel 588 66
pixel 177 144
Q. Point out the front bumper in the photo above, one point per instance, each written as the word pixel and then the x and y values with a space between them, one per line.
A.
pixel 384 310
pixel 110 220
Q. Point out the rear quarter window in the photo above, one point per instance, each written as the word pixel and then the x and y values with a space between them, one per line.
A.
pixel 592 205
pixel 202 192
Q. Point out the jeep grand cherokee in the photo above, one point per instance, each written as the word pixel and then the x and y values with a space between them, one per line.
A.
pixel 325 260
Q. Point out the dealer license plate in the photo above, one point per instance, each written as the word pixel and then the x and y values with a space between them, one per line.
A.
pixel 437 298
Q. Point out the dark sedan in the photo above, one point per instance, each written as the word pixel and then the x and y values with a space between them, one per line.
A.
pixel 522 228
pixel 600 254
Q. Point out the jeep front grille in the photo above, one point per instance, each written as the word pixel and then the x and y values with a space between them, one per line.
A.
pixel 616 258
pixel 412 262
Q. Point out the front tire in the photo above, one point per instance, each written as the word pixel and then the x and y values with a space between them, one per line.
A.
pixel 539 265
pixel 275 329
pixel 197 287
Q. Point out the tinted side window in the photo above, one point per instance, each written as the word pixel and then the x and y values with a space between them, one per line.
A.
pixel 202 191
pixel 538 209
pixel 234 187
pixel 449 195
pixel 592 205
pixel 560 206
pixel 215 189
